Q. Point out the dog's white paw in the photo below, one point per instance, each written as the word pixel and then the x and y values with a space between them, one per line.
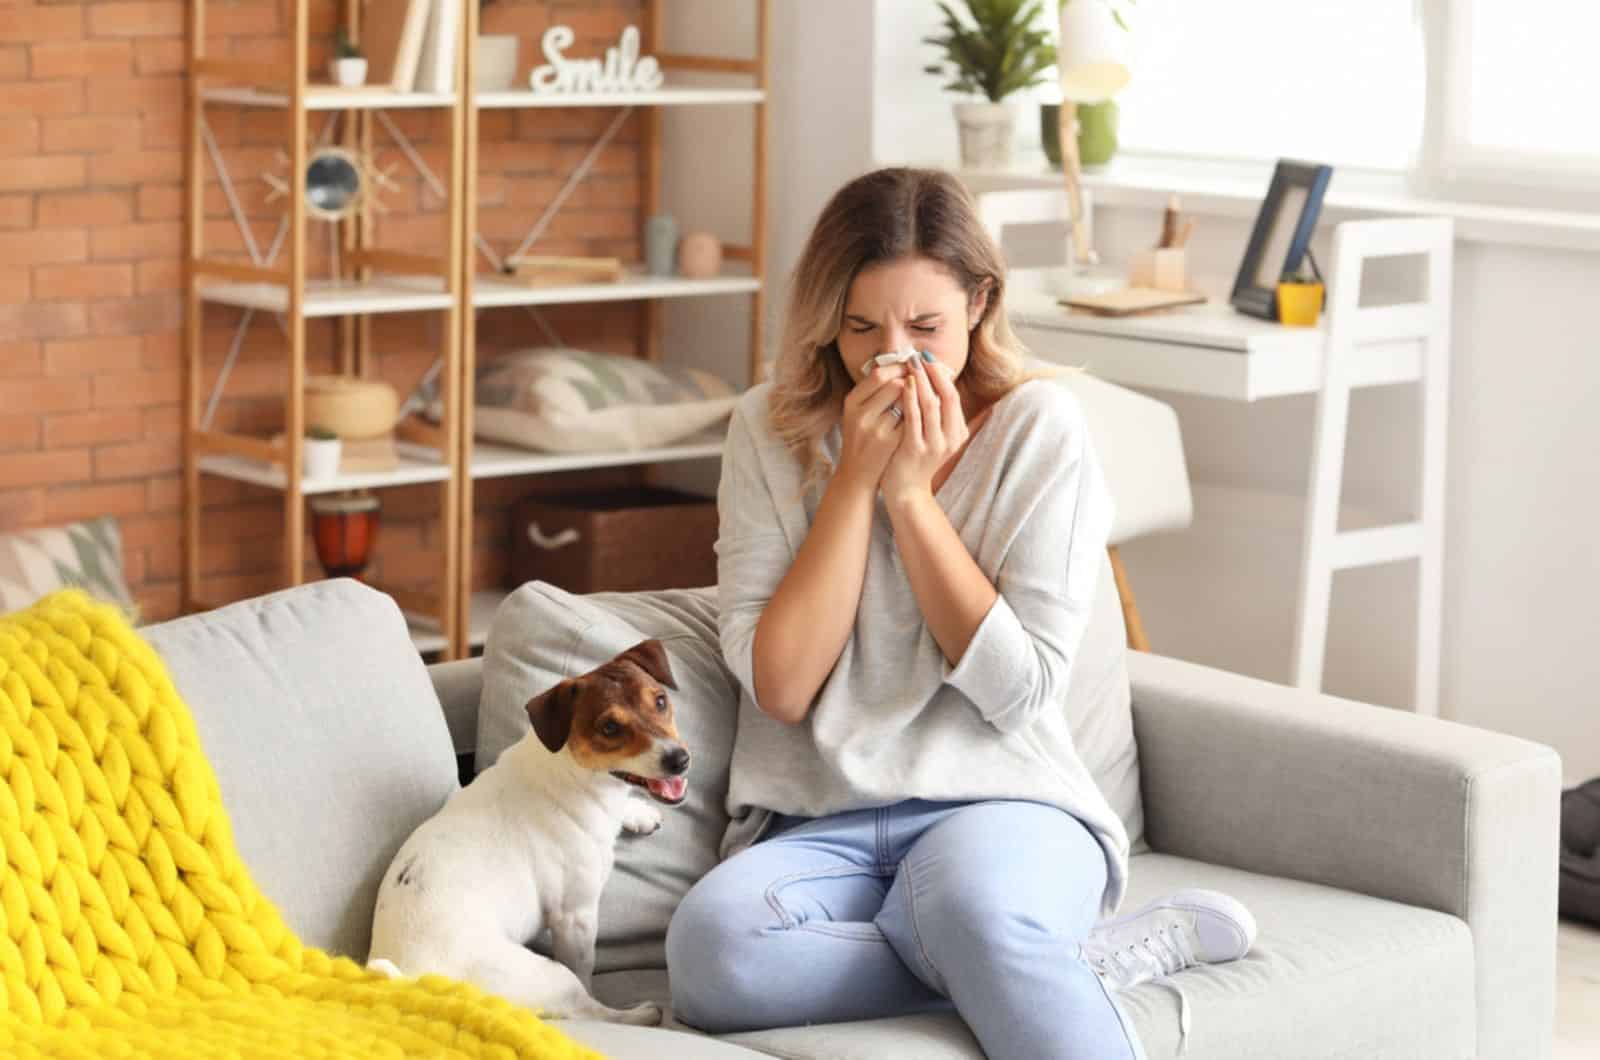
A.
pixel 640 818
pixel 647 1014
pixel 385 967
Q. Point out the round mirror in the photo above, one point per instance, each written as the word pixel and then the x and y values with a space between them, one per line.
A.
pixel 333 184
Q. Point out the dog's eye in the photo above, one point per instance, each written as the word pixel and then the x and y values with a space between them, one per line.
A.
pixel 611 728
pixel 661 701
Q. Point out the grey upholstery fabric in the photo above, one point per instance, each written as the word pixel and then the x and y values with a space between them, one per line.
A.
pixel 459 685
pixel 542 634
pixel 317 715
pixel 1376 801
pixel 1332 974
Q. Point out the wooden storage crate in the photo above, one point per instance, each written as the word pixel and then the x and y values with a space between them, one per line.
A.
pixel 616 540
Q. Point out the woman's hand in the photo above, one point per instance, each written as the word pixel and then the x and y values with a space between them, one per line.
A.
pixel 935 430
pixel 870 430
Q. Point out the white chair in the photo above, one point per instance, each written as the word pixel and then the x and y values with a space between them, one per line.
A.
pixel 1135 436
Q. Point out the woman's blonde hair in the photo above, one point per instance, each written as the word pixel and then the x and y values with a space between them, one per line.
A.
pixel 885 216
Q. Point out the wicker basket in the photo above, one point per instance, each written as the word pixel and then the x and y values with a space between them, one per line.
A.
pixel 616 541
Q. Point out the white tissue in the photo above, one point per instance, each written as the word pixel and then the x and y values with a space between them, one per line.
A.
pixel 896 357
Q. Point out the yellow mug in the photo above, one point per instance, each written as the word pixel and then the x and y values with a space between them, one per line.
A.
pixel 1299 304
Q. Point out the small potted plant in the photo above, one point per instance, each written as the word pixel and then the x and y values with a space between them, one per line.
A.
pixel 322 453
pixel 349 66
pixel 1300 294
pixel 1004 50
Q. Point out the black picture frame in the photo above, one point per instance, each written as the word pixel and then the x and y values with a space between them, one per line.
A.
pixel 1297 187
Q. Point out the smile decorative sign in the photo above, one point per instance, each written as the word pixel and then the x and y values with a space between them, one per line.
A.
pixel 622 70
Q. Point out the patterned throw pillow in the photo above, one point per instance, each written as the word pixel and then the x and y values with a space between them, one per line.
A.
pixel 87 555
pixel 563 400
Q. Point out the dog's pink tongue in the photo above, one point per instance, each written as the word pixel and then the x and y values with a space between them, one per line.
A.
pixel 669 788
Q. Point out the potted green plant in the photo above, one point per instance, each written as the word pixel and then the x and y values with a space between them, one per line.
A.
pixel 1000 51
pixel 349 66
pixel 322 452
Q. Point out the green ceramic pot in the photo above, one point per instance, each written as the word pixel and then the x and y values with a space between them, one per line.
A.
pixel 1097 132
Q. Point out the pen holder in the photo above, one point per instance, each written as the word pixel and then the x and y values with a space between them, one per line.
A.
pixel 1165 269
pixel 1299 304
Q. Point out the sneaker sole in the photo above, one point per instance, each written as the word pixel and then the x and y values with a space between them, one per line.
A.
pixel 1226 928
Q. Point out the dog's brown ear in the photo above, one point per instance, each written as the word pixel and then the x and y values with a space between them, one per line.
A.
pixel 551 714
pixel 651 657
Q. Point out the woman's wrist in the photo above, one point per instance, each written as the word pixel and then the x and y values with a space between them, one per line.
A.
pixel 906 500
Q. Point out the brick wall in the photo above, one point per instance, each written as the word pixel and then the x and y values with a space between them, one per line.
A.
pixel 91 229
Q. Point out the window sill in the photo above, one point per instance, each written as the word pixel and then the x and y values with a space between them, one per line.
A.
pixel 1236 190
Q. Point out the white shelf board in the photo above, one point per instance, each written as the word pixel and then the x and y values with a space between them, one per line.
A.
pixel 480 614
pixel 497 461
pixel 417 464
pixel 491 290
pixel 328 298
pixel 661 97
pixel 331 97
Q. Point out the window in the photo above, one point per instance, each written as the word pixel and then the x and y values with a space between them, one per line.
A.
pixel 1337 81
pixel 1514 109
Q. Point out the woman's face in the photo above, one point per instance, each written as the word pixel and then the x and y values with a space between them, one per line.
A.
pixel 912 302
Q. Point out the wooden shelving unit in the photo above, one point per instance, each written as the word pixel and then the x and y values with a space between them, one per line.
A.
pixel 745 274
pixel 372 281
pixel 455 618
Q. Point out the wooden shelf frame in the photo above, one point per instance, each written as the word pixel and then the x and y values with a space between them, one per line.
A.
pixel 386 281
pixel 426 284
pixel 753 255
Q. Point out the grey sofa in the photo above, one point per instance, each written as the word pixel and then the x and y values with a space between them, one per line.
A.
pixel 1402 869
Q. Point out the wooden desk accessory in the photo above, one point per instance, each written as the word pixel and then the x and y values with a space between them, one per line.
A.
pixel 1158 278
pixel 1164 266
pixel 549 271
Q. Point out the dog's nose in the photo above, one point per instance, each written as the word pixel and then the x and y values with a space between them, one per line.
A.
pixel 675 761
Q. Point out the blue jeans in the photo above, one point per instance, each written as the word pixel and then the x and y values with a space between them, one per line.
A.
pixel 910 908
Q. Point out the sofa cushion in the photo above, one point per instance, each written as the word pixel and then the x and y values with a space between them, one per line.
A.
pixel 317 715
pixel 87 554
pixel 541 635
pixel 1332 974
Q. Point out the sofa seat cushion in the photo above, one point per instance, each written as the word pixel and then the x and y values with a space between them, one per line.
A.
pixel 1332 974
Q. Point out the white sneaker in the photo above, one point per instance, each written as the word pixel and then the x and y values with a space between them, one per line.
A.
pixel 1170 934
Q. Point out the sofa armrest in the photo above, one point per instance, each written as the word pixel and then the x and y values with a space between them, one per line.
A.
pixel 1290 783
pixel 459 685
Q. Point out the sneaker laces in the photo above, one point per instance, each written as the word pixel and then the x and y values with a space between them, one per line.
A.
pixel 1154 958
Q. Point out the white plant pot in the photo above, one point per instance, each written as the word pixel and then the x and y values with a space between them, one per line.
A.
pixel 495 67
pixel 987 131
pixel 322 458
pixel 349 72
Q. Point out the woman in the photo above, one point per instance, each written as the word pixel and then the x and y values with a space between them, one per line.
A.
pixel 907 558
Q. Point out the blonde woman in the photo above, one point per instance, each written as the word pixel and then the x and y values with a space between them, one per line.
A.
pixel 907 557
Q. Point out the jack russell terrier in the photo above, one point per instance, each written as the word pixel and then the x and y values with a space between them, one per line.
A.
pixel 528 845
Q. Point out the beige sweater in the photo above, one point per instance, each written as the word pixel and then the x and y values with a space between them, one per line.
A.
pixel 894 720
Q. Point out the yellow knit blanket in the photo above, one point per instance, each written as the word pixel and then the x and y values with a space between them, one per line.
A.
pixel 128 924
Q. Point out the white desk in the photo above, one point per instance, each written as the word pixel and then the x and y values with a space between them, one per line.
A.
pixel 1211 350
pixel 1214 351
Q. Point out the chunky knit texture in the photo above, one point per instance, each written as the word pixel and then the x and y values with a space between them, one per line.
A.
pixel 128 924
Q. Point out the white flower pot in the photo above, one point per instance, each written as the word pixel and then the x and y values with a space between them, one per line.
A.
pixel 495 68
pixel 322 458
pixel 349 72
pixel 986 131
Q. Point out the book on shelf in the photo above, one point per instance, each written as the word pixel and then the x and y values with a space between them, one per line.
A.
pixel 437 68
pixel 543 270
pixel 392 32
